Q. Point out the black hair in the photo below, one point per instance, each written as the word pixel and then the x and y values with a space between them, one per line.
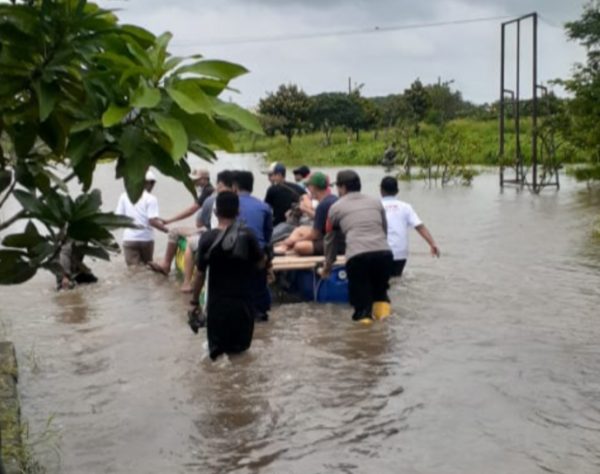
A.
pixel 225 177
pixel 349 179
pixel 244 180
pixel 389 186
pixel 228 205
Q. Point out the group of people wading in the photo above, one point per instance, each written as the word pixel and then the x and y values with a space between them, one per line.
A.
pixel 237 235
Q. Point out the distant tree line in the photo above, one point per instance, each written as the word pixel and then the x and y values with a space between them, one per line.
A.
pixel 290 111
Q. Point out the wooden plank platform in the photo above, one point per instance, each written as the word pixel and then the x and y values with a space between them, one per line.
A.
pixel 295 262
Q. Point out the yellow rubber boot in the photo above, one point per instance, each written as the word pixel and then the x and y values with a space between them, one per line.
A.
pixel 381 310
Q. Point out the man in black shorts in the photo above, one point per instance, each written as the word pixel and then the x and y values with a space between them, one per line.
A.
pixel 232 254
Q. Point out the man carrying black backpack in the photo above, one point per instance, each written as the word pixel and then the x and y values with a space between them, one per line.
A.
pixel 230 254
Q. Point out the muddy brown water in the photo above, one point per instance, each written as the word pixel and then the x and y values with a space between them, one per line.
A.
pixel 490 363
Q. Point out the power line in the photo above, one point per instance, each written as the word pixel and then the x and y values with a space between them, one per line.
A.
pixel 330 34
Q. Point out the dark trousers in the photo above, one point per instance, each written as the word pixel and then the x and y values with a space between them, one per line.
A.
pixel 398 267
pixel 229 326
pixel 368 279
pixel 261 295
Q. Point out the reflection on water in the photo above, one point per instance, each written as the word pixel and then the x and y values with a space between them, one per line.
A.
pixel 490 363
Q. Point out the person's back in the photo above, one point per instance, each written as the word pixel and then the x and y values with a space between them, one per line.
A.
pixel 232 255
pixel 229 273
pixel 361 219
pixel 400 218
pixel 141 212
pixel 138 243
pixel 254 214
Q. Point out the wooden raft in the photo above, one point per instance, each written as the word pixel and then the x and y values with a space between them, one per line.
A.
pixel 295 262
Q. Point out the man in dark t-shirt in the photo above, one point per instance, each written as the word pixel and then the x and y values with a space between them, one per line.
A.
pixel 232 254
pixel 282 194
pixel 308 240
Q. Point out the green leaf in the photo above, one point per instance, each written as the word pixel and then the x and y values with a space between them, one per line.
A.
pixel 212 87
pixel 190 97
pixel 78 147
pixel 84 125
pixel 23 138
pixel 53 132
pixel 47 96
pixel 132 165
pixel 114 114
pixel 14 267
pixel 144 37
pixel 95 252
pixel 145 97
pixel 28 239
pixel 85 229
pixel 87 205
pixel 140 55
pixel 176 132
pixel 206 130
pixel 113 221
pixel 214 68
pixel 30 202
pixel 56 180
pixel 239 115
pixel 202 151
pixel 171 63
pixel 5 179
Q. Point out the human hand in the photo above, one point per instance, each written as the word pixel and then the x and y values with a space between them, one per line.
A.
pixel 305 206
pixel 435 251
pixel 324 272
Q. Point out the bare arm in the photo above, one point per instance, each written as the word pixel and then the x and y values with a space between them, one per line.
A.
pixel 306 206
pixel 424 232
pixel 158 223
pixel 183 214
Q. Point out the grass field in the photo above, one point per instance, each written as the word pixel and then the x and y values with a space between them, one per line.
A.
pixel 475 141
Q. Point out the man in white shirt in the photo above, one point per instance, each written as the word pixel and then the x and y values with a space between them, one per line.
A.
pixel 138 244
pixel 400 217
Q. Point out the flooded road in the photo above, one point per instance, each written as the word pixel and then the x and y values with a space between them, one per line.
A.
pixel 490 363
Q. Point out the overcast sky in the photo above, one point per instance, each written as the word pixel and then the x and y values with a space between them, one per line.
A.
pixel 385 62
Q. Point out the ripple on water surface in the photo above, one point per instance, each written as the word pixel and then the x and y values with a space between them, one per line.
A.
pixel 490 362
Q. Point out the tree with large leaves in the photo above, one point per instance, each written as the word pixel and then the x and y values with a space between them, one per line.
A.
pixel 76 88
pixel 584 108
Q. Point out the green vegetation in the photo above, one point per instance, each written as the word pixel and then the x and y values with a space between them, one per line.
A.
pixel 78 88
pixel 583 124
pixel 479 140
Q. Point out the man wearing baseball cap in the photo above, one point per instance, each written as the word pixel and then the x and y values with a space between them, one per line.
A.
pixel 308 240
pixel 281 194
pixel 138 244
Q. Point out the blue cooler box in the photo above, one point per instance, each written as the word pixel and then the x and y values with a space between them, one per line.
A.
pixel 310 287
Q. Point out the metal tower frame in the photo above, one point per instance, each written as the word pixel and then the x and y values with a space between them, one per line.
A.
pixel 520 176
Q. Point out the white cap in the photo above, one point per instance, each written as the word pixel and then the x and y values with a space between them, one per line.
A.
pixel 150 176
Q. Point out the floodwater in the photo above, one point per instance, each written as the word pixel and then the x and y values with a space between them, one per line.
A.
pixel 489 364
